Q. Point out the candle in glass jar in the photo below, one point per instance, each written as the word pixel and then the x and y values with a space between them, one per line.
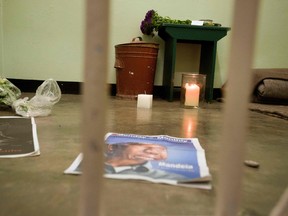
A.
pixel 192 92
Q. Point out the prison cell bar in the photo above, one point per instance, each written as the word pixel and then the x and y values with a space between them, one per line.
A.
pixel 235 123
pixel 94 106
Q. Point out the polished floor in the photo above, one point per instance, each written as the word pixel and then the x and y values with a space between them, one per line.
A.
pixel 36 186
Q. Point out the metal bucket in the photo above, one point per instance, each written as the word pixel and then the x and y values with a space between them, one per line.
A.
pixel 135 65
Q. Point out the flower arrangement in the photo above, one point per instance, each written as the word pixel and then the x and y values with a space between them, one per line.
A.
pixel 152 21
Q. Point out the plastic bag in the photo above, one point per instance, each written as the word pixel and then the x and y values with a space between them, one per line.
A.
pixel 47 94
pixel 8 92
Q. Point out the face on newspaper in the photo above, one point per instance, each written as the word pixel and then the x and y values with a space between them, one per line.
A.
pixel 135 153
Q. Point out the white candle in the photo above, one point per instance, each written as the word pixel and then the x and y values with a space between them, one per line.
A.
pixel 144 101
pixel 192 94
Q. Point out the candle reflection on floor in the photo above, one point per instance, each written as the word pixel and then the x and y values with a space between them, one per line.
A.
pixel 189 123
pixel 144 115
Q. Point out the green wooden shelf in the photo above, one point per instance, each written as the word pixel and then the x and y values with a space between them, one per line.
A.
pixel 206 36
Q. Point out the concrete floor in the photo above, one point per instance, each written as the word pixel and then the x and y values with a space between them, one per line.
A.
pixel 36 186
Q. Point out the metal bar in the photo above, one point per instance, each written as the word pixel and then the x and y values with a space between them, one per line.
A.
pixel 281 208
pixel 236 107
pixel 94 106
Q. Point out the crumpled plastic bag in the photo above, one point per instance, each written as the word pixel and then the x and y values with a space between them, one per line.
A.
pixel 47 94
pixel 8 92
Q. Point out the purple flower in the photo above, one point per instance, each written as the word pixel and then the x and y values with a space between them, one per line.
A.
pixel 149 15
pixel 147 24
pixel 152 21
pixel 146 27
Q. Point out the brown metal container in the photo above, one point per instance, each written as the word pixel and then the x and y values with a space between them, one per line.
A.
pixel 135 65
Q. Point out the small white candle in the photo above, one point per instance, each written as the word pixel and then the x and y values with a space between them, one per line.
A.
pixel 144 101
pixel 192 94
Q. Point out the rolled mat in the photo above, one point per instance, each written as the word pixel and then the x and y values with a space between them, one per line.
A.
pixel 270 86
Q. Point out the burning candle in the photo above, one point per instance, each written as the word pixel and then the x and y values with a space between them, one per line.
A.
pixel 192 92
pixel 144 101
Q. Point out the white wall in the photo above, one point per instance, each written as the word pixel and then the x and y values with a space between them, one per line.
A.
pixel 43 39
pixel 271 44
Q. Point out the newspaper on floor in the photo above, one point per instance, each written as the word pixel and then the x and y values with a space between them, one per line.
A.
pixel 18 137
pixel 158 159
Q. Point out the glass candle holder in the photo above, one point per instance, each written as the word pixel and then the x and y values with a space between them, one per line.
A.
pixel 193 90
